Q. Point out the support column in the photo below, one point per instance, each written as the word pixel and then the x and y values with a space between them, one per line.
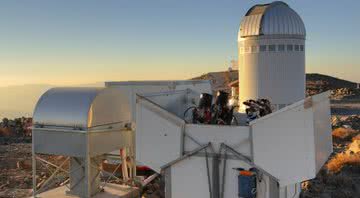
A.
pixel 215 176
pixel 33 159
pixel 88 167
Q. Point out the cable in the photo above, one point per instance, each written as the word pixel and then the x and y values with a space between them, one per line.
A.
pixel 236 121
pixel 185 112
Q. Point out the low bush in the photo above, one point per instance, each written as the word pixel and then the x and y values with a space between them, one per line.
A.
pixel 343 134
pixel 340 160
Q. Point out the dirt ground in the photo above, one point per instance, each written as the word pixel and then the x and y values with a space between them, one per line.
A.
pixel 340 177
pixel 16 170
pixel 15 177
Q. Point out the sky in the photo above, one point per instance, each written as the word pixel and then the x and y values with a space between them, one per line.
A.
pixel 85 41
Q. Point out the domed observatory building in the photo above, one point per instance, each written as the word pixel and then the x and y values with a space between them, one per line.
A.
pixel 271 43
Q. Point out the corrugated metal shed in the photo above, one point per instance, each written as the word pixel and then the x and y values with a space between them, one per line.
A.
pixel 276 18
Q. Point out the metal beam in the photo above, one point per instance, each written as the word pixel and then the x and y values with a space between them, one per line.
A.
pixel 53 175
pixel 189 154
pixel 248 160
pixel 54 165
pixel 33 158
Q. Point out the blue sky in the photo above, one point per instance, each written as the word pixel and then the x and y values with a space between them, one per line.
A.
pixel 75 42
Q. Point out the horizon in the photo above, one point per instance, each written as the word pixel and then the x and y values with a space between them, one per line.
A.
pixel 67 44
pixel 20 100
pixel 98 83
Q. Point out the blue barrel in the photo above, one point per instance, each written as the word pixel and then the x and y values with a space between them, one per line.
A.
pixel 247 184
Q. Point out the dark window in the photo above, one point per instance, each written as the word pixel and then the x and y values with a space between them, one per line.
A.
pixel 302 48
pixel 253 49
pixel 272 48
pixel 247 49
pixel 262 48
pixel 289 48
pixel 297 48
pixel 241 49
pixel 281 48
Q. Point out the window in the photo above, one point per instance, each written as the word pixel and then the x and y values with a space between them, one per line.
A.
pixel 247 49
pixel 302 48
pixel 262 48
pixel 253 49
pixel 272 48
pixel 297 48
pixel 281 48
pixel 289 48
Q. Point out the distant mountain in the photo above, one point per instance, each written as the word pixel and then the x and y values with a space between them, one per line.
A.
pixel 18 101
pixel 219 80
pixel 329 81
pixel 314 82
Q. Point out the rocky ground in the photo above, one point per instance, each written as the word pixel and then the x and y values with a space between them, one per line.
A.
pixel 340 177
pixel 16 173
pixel 15 181
pixel 16 170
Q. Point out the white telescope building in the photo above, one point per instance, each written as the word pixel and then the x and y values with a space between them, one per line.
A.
pixel 271 43
pixel 130 124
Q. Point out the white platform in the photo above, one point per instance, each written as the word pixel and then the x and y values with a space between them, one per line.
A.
pixel 111 191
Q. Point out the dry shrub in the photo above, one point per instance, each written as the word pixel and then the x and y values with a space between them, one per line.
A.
pixel 344 193
pixel 357 137
pixel 340 160
pixel 343 133
pixel 345 186
pixel 6 132
pixel 340 181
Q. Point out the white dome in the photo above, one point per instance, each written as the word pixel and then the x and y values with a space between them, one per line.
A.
pixel 276 18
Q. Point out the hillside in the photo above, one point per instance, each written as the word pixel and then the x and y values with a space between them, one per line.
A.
pixel 18 101
pixel 341 89
pixel 219 80
pixel 315 83
pixel 330 82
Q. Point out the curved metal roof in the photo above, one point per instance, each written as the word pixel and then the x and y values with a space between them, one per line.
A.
pixel 81 108
pixel 276 18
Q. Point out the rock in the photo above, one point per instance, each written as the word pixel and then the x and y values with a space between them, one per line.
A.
pixel 24 164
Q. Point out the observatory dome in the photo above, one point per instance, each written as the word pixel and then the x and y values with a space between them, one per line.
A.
pixel 271 42
pixel 276 18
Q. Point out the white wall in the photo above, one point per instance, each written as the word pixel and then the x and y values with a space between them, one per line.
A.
pixel 130 89
pixel 279 76
pixel 283 144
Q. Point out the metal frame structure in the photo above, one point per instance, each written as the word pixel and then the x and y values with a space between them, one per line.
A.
pixel 231 146
pixel 181 148
pixel 83 124
pixel 39 188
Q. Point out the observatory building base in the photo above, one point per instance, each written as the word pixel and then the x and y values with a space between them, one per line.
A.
pixel 110 191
